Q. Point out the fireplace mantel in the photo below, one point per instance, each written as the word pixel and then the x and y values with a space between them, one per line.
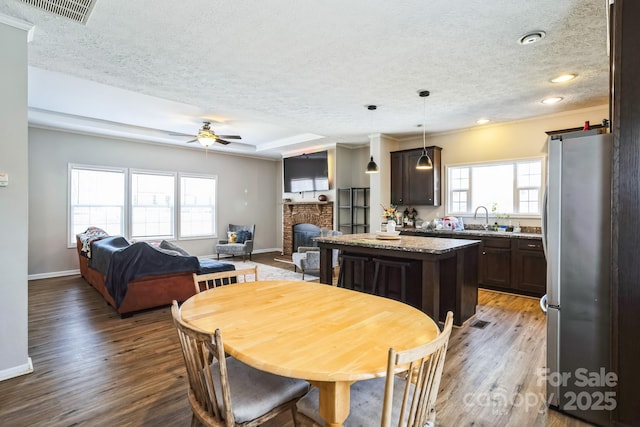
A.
pixel 318 205
pixel 306 203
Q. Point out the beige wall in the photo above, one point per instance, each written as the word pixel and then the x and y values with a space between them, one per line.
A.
pixel 14 208
pixel 247 190
pixel 514 140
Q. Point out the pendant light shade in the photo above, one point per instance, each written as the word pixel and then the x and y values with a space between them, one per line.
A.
pixel 372 167
pixel 424 162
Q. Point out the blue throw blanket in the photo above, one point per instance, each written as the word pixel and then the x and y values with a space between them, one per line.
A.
pixel 125 263
pixel 101 251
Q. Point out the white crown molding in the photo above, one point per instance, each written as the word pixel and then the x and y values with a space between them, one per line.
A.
pixel 20 24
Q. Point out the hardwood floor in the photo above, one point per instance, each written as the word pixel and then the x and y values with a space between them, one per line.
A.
pixel 93 368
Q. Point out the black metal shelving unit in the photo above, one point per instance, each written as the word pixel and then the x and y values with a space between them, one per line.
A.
pixel 353 210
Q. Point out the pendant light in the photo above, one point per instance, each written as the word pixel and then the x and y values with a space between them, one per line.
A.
pixel 424 162
pixel 372 167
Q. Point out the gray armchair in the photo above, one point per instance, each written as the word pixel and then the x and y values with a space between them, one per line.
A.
pixel 243 245
pixel 307 258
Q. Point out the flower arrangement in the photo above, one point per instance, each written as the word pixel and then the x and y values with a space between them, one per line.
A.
pixel 389 213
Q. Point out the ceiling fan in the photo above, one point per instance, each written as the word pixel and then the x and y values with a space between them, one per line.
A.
pixel 206 136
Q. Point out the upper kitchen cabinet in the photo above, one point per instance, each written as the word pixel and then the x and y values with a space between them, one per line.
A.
pixel 410 186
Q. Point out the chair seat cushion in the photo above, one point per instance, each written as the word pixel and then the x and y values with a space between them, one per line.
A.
pixel 231 248
pixel 366 403
pixel 255 392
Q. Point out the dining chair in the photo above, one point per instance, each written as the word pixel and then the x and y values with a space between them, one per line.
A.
pixel 407 399
pixel 223 391
pixel 202 282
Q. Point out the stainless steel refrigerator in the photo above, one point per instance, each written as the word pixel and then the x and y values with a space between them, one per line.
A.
pixel 576 236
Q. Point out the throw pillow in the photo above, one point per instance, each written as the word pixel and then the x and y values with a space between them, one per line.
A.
pixel 243 236
pixel 169 251
pixel 173 247
pixel 232 236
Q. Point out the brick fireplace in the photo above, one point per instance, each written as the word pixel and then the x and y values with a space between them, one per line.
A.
pixel 293 213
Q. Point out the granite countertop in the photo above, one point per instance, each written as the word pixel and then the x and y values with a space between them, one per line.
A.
pixel 472 233
pixel 429 245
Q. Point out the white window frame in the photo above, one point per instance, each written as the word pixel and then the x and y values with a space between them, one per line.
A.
pixel 516 196
pixel 71 240
pixel 127 209
pixel 179 201
pixel 174 212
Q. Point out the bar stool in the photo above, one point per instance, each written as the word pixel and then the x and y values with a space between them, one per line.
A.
pixel 351 262
pixel 381 267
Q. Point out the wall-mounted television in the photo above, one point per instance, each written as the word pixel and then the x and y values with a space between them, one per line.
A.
pixel 307 172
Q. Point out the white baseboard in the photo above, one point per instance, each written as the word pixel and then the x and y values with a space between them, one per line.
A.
pixel 52 274
pixel 16 371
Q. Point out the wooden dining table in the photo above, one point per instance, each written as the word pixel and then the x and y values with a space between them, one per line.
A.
pixel 326 335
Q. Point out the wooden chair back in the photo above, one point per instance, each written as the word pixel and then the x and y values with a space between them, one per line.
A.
pixel 199 349
pixel 425 364
pixel 202 282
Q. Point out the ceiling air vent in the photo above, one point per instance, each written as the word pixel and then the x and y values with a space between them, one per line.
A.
pixel 76 10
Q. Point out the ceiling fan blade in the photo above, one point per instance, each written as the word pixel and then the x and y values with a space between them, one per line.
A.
pixel 229 136
pixel 222 141
pixel 193 140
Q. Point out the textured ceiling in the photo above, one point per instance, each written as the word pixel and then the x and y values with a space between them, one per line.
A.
pixel 280 72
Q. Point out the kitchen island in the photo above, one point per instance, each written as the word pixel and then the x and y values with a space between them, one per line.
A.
pixel 509 262
pixel 442 273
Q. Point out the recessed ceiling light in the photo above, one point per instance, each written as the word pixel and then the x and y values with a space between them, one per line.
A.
pixel 563 78
pixel 482 121
pixel 551 100
pixel 532 37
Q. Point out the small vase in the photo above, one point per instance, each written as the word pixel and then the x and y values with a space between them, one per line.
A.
pixel 391 226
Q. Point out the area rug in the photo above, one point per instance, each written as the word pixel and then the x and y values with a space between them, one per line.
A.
pixel 267 272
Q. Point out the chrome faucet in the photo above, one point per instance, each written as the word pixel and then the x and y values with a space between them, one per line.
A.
pixel 486 211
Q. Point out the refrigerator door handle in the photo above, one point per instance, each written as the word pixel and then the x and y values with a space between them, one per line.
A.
pixel 543 223
pixel 543 304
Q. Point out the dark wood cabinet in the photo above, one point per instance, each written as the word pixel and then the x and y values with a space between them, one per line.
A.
pixel 410 186
pixel 495 263
pixel 529 267
pixel 514 265
pixel 397 177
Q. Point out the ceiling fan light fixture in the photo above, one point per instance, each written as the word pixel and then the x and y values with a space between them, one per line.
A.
pixel 206 138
